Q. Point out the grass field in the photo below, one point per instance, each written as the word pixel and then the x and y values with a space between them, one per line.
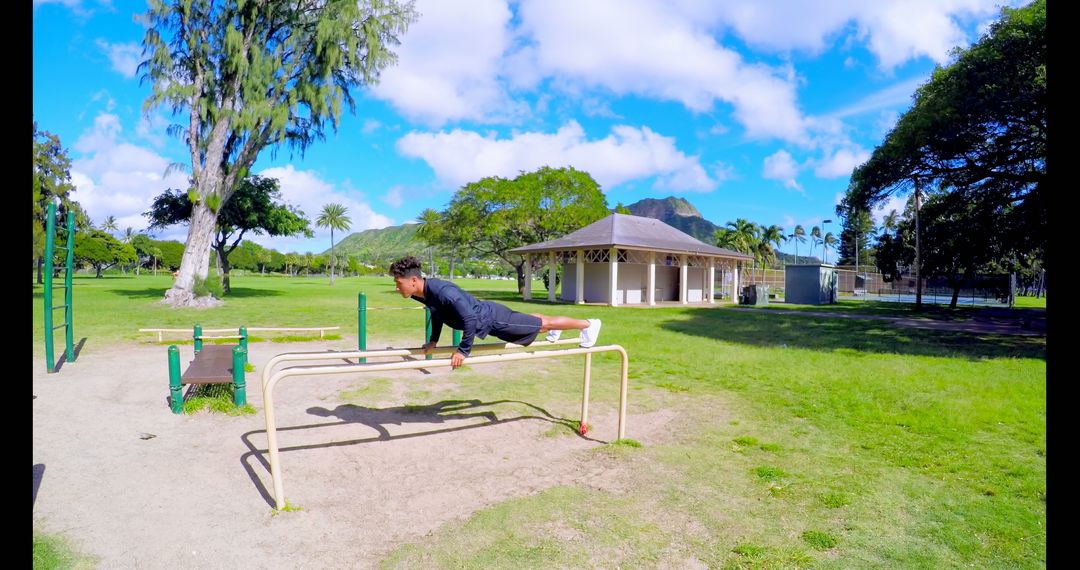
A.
pixel 803 441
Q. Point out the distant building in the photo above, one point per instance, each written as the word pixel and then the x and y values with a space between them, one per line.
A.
pixel 633 260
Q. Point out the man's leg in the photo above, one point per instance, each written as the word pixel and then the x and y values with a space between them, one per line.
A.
pixel 554 325
pixel 548 323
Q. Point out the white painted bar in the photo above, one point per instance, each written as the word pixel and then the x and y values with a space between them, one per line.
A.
pixel 268 389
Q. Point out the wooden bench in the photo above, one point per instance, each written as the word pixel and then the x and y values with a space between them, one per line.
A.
pixel 214 364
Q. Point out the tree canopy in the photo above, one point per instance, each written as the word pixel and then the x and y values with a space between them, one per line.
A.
pixel 493 215
pixel 253 74
pixel 976 129
pixel 252 208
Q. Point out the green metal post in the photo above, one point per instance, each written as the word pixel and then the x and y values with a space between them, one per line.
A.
pixel 239 357
pixel 198 338
pixel 68 316
pixel 244 342
pixel 50 227
pixel 427 329
pixel 457 337
pixel 362 324
pixel 176 397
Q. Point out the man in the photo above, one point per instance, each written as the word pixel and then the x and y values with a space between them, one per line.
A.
pixel 452 306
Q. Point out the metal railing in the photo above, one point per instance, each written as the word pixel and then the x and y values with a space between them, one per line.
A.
pixel 269 381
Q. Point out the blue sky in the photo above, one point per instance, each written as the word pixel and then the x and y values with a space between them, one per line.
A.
pixel 748 109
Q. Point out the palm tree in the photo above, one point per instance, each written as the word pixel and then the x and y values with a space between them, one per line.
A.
pixel 827 242
pixel 155 254
pixel 891 221
pixel 431 231
pixel 726 238
pixel 745 240
pixel 773 234
pixel 333 217
pixel 109 225
pixel 799 235
pixel 815 238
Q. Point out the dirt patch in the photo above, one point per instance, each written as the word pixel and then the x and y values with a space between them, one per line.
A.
pixel 367 477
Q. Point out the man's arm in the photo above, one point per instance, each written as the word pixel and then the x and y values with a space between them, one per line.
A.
pixel 436 327
pixel 468 319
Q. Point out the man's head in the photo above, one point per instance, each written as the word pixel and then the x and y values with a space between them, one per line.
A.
pixel 407 277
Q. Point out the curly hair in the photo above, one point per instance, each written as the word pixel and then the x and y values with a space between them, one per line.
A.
pixel 407 266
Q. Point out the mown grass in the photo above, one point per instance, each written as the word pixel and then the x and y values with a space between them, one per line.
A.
pixel 54 552
pixel 798 440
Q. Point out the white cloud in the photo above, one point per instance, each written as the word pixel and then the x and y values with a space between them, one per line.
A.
pixel 116 178
pixel 841 162
pixel 894 202
pixel 153 129
pixel 780 166
pixel 628 153
pixel 123 57
pixel 370 126
pixel 895 31
pixel 723 172
pixel 647 48
pixel 305 190
pixel 449 62
pixel 394 197
pixel 885 100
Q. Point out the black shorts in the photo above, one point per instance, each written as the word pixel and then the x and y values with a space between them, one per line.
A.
pixel 511 326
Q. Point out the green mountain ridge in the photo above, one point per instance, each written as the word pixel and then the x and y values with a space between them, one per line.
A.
pixel 386 244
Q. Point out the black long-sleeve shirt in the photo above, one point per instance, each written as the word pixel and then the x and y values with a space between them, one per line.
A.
pixel 453 306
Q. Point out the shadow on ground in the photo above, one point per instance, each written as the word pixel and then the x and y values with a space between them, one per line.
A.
pixel 378 418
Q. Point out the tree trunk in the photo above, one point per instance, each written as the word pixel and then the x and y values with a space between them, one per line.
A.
pixel 196 259
pixel 520 268
pixel 332 256
pixel 955 296
pixel 451 268
pixel 223 269
pixel 40 268
pixel 98 276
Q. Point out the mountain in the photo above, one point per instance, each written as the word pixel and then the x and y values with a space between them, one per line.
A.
pixel 677 213
pixel 683 216
pixel 390 243
pixel 383 244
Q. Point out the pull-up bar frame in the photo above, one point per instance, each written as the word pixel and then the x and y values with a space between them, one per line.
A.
pixel 270 381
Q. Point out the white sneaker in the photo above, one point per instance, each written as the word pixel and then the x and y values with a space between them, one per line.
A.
pixel 590 334
pixel 553 335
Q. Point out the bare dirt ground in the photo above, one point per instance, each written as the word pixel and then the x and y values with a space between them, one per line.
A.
pixel 367 478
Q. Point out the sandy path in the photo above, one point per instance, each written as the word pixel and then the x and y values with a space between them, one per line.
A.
pixel 368 479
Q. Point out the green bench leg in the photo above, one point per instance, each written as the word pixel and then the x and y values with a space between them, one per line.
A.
pixel 239 388
pixel 175 389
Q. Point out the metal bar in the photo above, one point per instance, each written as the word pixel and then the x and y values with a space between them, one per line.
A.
pixel 50 229
pixel 239 357
pixel 59 326
pixel 176 397
pixel 361 324
pixel 69 313
pixel 583 425
pixel 268 391
pixel 402 352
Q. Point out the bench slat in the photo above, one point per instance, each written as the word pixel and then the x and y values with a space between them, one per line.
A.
pixel 212 365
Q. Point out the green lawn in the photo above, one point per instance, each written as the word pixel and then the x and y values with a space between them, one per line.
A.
pixel 800 441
